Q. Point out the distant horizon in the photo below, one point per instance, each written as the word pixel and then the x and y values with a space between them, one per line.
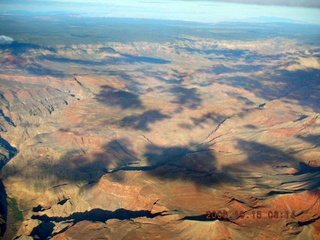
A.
pixel 184 10
pixel 289 3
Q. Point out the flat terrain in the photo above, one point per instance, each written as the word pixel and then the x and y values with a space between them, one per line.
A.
pixel 131 129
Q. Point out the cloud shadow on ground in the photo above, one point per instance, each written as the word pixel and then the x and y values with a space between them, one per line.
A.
pixel 195 163
pixel 115 97
pixel 300 85
pixel 144 120
pixel 122 59
pixel 186 97
pixel 39 70
pixel 311 138
pixel 273 165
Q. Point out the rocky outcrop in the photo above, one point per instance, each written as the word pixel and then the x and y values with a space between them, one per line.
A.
pixel 179 140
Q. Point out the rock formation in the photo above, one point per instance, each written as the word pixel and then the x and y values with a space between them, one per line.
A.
pixel 195 138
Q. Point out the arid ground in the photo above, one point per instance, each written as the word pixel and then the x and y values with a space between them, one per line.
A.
pixel 159 130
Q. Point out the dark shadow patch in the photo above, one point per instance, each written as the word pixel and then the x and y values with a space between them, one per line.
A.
pixel 165 155
pixel 45 228
pixel 186 126
pixel 119 148
pixel 227 53
pixel 276 193
pixel 176 77
pixel 168 77
pixel 144 120
pixel 187 174
pixel 6 118
pixel 249 84
pixel 186 97
pixel 38 208
pixel 168 81
pixel 98 215
pixel 75 166
pixel 305 168
pixel 124 58
pixel 207 117
pixel 43 231
pixel 311 138
pixel 107 50
pixel 3 209
pixel 54 58
pixel 81 35
pixel 301 118
pixel 115 97
pixel 199 218
pixel 259 154
pixel 17 48
pixel 204 218
pixel 221 69
pixel 249 68
pixel 118 176
pixel 78 168
pixel 244 100
pixel 9 152
pixel 250 126
pixel 300 85
pixel 62 202
pixel 131 84
pixel 239 68
pixel 262 105
pixel 221 53
pixel 141 59
pixel 42 71
pixel 193 163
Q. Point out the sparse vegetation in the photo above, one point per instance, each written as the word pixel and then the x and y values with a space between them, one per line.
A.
pixel 16 213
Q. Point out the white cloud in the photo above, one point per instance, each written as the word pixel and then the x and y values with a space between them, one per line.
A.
pixel 5 40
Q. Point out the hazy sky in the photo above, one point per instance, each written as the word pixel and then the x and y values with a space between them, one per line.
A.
pixel 307 11
pixel 305 3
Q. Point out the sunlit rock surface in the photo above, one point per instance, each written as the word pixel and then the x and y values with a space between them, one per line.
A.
pixel 146 139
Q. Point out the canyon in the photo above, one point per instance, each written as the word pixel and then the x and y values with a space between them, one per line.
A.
pixel 194 137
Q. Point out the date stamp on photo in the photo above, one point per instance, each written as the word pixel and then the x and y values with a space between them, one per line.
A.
pixel 223 214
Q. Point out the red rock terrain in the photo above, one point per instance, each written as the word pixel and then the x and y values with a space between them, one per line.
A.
pixel 158 147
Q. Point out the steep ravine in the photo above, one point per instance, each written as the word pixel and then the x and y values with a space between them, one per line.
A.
pixel 7 216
